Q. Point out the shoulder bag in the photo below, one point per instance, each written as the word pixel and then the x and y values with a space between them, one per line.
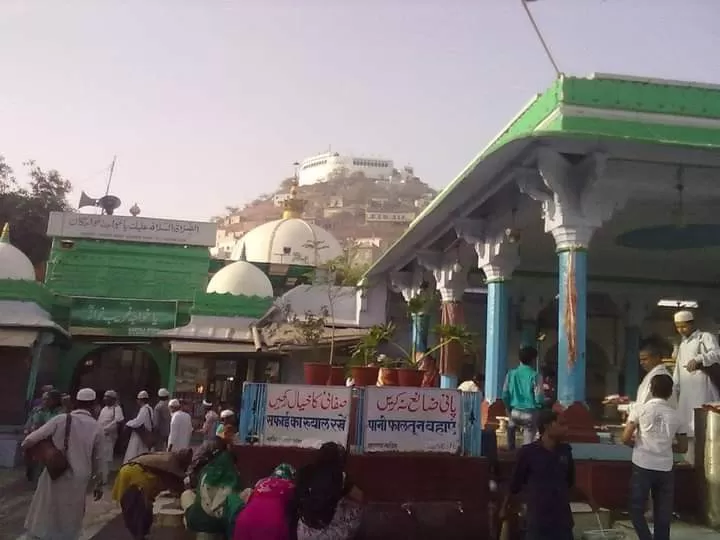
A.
pixel 46 453
pixel 148 437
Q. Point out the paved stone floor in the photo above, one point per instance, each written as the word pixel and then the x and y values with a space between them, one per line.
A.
pixel 678 531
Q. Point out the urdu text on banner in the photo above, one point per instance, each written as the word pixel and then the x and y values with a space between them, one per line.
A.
pixel 412 420
pixel 302 415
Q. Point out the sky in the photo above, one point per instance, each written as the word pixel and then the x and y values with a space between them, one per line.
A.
pixel 208 103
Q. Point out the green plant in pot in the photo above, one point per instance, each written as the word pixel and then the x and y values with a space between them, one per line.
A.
pixel 410 374
pixel 365 361
pixel 309 330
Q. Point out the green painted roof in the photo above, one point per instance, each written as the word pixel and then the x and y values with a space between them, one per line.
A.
pixel 598 108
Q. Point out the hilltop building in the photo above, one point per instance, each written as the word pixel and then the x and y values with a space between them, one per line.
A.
pixel 322 167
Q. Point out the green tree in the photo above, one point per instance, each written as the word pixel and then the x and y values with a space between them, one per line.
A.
pixel 27 208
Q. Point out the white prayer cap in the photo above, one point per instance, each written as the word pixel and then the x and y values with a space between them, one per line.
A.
pixel 174 404
pixel 163 392
pixel 111 394
pixel 143 395
pixel 206 403
pixel 86 394
pixel 227 413
pixel 684 316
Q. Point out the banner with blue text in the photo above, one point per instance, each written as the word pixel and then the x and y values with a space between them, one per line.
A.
pixel 412 420
pixel 307 416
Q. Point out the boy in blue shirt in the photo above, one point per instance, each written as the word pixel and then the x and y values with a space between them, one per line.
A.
pixel 523 396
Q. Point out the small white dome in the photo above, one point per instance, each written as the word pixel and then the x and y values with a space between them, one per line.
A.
pixel 289 241
pixel 14 264
pixel 241 278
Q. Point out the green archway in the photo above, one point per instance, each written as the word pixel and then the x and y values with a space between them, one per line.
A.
pixel 71 358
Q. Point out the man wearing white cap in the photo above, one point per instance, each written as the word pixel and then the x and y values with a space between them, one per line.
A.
pixel 58 506
pixel 162 419
pixel 141 425
pixel 110 419
pixel 697 351
pixel 211 422
pixel 180 427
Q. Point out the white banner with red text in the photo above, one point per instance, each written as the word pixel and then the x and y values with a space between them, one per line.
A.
pixel 306 416
pixel 412 420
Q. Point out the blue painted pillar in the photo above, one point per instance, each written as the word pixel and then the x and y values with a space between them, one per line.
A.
pixel 420 327
pixel 632 362
pixel 496 340
pixel 571 371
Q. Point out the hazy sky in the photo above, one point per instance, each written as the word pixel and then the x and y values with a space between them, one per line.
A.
pixel 208 103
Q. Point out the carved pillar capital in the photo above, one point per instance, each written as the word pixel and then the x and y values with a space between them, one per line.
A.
pixel 450 275
pixel 575 199
pixel 498 253
pixel 407 283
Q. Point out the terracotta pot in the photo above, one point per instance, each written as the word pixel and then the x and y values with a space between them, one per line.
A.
pixel 365 375
pixel 315 373
pixel 336 376
pixel 409 377
pixel 388 376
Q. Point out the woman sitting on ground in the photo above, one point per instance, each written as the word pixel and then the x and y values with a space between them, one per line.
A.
pixel 141 480
pixel 267 515
pixel 327 504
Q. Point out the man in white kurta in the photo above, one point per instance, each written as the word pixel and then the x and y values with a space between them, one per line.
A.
pixel 651 359
pixel 697 350
pixel 181 427
pixel 58 506
pixel 110 418
pixel 144 420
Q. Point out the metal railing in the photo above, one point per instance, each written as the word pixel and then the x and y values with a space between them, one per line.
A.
pixel 253 412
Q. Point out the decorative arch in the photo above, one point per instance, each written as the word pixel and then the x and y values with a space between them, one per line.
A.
pixel 80 350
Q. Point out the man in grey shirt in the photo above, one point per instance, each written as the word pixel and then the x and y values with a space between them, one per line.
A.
pixel 162 419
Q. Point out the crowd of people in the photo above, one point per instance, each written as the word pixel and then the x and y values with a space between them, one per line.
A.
pixel 316 502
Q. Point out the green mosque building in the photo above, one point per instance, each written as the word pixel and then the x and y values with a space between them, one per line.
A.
pixel 130 303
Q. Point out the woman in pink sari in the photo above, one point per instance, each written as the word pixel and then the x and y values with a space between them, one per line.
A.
pixel 267 515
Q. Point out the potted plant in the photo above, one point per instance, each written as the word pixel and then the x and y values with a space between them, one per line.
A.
pixel 365 361
pixel 335 276
pixel 409 374
pixel 309 330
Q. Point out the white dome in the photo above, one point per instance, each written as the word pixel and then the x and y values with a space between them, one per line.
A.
pixel 289 241
pixel 14 264
pixel 241 278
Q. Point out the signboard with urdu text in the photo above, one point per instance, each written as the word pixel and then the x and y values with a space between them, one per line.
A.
pixel 412 420
pixel 123 317
pixel 131 229
pixel 307 416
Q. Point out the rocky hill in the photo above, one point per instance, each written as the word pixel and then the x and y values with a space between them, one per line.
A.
pixel 356 209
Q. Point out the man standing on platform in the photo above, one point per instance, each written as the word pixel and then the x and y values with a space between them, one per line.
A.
pixel 697 353
pixel 523 396
pixel 652 352
pixel 162 419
